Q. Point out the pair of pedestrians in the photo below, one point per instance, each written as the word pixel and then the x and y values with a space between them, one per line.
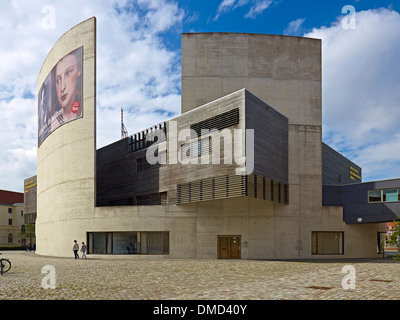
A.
pixel 75 248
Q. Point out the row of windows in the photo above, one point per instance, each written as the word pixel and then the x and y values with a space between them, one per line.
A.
pixel 188 150
pixel 135 242
pixel 146 138
pixel 196 148
pixel 10 222
pixel 385 195
pixel 10 211
pixel 10 235
pixel 328 242
pixel 143 200
pixel 157 242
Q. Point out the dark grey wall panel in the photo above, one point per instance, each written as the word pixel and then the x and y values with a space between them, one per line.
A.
pixel 331 195
pixel 117 180
pixel 354 199
pixel 336 168
pixel 271 136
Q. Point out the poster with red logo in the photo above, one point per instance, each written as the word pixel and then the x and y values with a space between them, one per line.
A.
pixel 60 96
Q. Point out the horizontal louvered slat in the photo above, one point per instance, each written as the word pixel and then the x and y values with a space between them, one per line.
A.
pixel 229 186
pixel 218 122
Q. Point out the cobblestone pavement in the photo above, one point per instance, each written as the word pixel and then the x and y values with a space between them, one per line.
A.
pixel 119 279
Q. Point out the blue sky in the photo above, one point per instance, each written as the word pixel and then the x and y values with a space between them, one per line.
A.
pixel 138 67
pixel 274 19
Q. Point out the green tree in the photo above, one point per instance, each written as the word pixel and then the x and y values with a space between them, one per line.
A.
pixel 395 238
pixel 28 231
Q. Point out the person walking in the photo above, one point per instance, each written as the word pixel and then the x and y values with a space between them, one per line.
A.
pixel 76 249
pixel 83 250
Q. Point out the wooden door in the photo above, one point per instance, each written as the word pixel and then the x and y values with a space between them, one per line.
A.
pixel 229 247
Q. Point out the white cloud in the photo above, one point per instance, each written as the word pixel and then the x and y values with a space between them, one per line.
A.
pixel 256 7
pixel 224 6
pixel 361 91
pixel 134 67
pixel 294 27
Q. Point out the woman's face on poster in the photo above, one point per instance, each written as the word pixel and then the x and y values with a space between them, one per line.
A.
pixel 67 75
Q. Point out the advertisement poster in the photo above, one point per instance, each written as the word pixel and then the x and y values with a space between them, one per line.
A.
pixel 60 96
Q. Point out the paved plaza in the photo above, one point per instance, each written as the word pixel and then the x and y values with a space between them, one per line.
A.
pixel 127 279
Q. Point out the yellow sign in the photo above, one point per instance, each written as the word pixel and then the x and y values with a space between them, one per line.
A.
pixel 29 185
pixel 354 173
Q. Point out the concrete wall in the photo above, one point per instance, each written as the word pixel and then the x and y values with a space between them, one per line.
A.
pixel 284 72
pixel 178 173
pixel 66 159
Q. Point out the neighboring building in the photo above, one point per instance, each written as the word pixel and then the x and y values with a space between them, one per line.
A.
pixel 11 218
pixel 30 201
pixel 263 95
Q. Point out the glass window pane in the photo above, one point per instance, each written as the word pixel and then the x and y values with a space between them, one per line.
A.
pixel 374 196
pixel 90 242
pixel 314 243
pixel 109 242
pixel 166 243
pixel 381 242
pixel 124 242
pixel 99 243
pixel 143 242
pixel 327 242
pixel 155 243
pixel 390 195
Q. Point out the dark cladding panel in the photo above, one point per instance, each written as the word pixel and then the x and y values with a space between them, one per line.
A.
pixel 354 200
pixel 271 139
pixel 331 196
pixel 337 169
pixel 119 182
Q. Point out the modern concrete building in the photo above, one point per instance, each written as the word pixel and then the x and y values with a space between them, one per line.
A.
pixel 239 174
pixel 11 218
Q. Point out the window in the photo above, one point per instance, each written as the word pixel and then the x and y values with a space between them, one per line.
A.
pixel 390 195
pixel 374 196
pixel 133 242
pixel 10 238
pixel 9 210
pixel 151 199
pixel 196 148
pixel 219 122
pixel 381 242
pixel 385 195
pixel 10 222
pixel 327 242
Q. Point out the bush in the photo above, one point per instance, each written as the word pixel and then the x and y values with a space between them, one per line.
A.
pixel 395 238
pixel 12 248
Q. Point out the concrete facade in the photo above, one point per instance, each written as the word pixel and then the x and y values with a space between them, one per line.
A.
pixel 219 72
pixel 66 159
pixel 287 76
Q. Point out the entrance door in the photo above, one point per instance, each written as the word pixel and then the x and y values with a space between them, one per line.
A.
pixel 229 247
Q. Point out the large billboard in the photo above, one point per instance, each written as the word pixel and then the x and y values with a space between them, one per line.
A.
pixel 60 96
